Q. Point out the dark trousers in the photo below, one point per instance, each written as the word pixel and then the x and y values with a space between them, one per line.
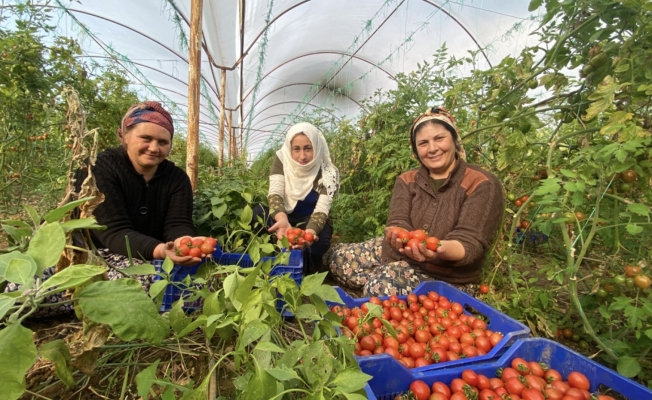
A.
pixel 312 259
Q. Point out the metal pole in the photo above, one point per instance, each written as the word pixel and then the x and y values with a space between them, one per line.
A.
pixel 194 72
pixel 220 159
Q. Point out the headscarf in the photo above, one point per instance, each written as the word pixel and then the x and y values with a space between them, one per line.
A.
pixel 147 111
pixel 447 119
pixel 299 178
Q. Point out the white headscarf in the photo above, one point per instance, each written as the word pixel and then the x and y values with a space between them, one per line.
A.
pixel 299 178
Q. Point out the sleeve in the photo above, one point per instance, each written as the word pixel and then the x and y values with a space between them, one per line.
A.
pixel 178 221
pixel 276 188
pixel 322 209
pixel 400 206
pixel 478 221
pixel 113 213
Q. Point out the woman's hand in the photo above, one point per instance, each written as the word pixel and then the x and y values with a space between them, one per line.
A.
pixel 421 253
pixel 391 235
pixel 281 226
pixel 169 249
pixel 306 244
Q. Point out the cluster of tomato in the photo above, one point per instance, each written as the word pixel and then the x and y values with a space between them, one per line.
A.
pixel 196 247
pixel 429 329
pixel 298 236
pixel 527 380
pixel 625 185
pixel 415 238
pixel 633 277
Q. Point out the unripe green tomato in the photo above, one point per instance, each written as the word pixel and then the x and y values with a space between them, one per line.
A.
pixel 576 337
pixel 511 197
pixel 602 293
pixel 619 279
pixel 629 282
pixel 584 344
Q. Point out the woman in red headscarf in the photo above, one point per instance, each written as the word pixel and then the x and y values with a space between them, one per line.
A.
pixel 147 203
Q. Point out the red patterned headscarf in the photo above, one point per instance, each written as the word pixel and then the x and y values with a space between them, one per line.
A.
pixel 147 111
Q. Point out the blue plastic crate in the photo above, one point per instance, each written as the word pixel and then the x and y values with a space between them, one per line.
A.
pixel 496 321
pixel 389 382
pixel 175 292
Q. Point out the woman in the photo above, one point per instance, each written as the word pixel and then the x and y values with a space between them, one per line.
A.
pixel 457 202
pixel 302 184
pixel 147 199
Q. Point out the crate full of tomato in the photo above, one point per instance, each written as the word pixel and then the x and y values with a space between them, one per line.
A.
pixel 436 326
pixel 532 369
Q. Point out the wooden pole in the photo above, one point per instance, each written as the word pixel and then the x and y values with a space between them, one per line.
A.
pixel 231 139
pixel 194 73
pixel 220 160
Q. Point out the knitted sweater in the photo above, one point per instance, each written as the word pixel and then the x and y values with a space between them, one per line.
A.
pixel 276 203
pixel 149 213
pixel 468 208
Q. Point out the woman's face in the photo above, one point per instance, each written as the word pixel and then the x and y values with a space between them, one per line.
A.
pixel 147 145
pixel 436 149
pixel 302 151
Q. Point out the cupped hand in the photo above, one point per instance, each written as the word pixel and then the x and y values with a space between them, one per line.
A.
pixel 391 235
pixel 306 244
pixel 169 250
pixel 280 227
pixel 421 253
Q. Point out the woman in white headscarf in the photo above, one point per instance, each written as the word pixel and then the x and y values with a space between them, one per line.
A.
pixel 302 184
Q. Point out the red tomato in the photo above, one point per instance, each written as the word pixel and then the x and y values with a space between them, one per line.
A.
pixel 183 250
pixel 553 394
pixel 211 241
pixel 413 243
pixel 419 235
pixel 536 369
pixel 552 375
pixel 420 390
pixel 432 243
pixel 470 377
pixel 514 386
pixel 292 238
pixel 484 289
pixel 368 343
pixel 207 248
pixel 457 385
pixel 521 366
pixel 578 380
pixel 308 237
pixel 532 394
pixel 194 252
pixel 459 396
pixel 482 343
pixel 404 236
pixel 421 362
pixel 488 394
pixel 393 352
pixel 483 382
pixel 421 336
pixel 439 387
pixel 187 240
pixel 197 242
pixel 417 350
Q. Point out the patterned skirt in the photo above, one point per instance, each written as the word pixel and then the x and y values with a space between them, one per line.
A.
pixel 358 266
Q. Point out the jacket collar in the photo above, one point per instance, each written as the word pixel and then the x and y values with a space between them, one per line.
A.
pixel 454 177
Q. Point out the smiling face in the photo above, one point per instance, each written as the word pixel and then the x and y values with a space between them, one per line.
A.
pixel 436 149
pixel 147 145
pixel 302 151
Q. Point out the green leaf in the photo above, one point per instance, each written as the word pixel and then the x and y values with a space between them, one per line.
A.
pixel 244 289
pixel 146 378
pixel 311 283
pixel 84 223
pixel 604 311
pixel 269 346
pixel 567 173
pixel 254 251
pixel 18 354
pixel 550 185
pixel 20 271
pixel 307 311
pixel 177 317
pixel 5 305
pixel 199 322
pixel 72 276
pixel 157 288
pixel 57 352
pixel 46 246
pixel 628 366
pixel 140 269
pixel 619 303
pixel 253 332
pixel 33 214
pixel 218 211
pixel 603 97
pixel 633 229
pixel 328 293
pixel 262 385
pixel 125 307
pixel 282 374
pixel 5 258
pixel 350 380
pixel 246 215
pixel 534 4
pixel 640 209
pixel 168 265
pixel 55 215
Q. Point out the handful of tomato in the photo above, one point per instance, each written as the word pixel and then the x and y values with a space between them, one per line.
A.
pixel 429 329
pixel 196 247
pixel 416 237
pixel 298 236
pixel 526 380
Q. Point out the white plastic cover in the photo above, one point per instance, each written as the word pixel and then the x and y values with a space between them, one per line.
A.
pixel 286 58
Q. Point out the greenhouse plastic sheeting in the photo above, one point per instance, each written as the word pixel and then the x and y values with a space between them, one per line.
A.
pixel 287 58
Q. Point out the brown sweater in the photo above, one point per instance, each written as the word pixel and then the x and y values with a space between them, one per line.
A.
pixel 468 208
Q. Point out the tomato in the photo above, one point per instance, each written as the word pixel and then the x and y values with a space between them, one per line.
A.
pixel 395 313
pixel 496 383
pixel 535 382
pixel 413 243
pixel 578 380
pixel 628 176
pixel 518 203
pixel 183 250
pixel 488 394
pixel 609 287
pixel 509 373
pixel 619 279
pixel 579 215
pixel 482 343
pixel 393 352
pixel 484 289
pixel 525 224
pixel 197 242
pixel 194 252
pixel 479 324
pixel 439 387
pixel 417 350
pixel 432 243
pixel 469 351
pixel 420 390
pixel 421 336
pixel 483 382
pixel 457 308
pixel 536 369
pixel 458 385
pixel 412 298
pixel 524 198
pixel 187 240
pixel 292 238
pixel 553 394
pixel 470 377
pixel 368 343
pixel 211 241
pixel 419 235
pixel 574 393
pixel 514 386
pixel 404 236
pixel 511 197
pixel 207 248
pixel 308 237
pixel 495 338
pixel 437 396
pixel 642 281
pixel 459 396
pixel 560 385
pixel 552 375
pixel 532 394
pixel 568 333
